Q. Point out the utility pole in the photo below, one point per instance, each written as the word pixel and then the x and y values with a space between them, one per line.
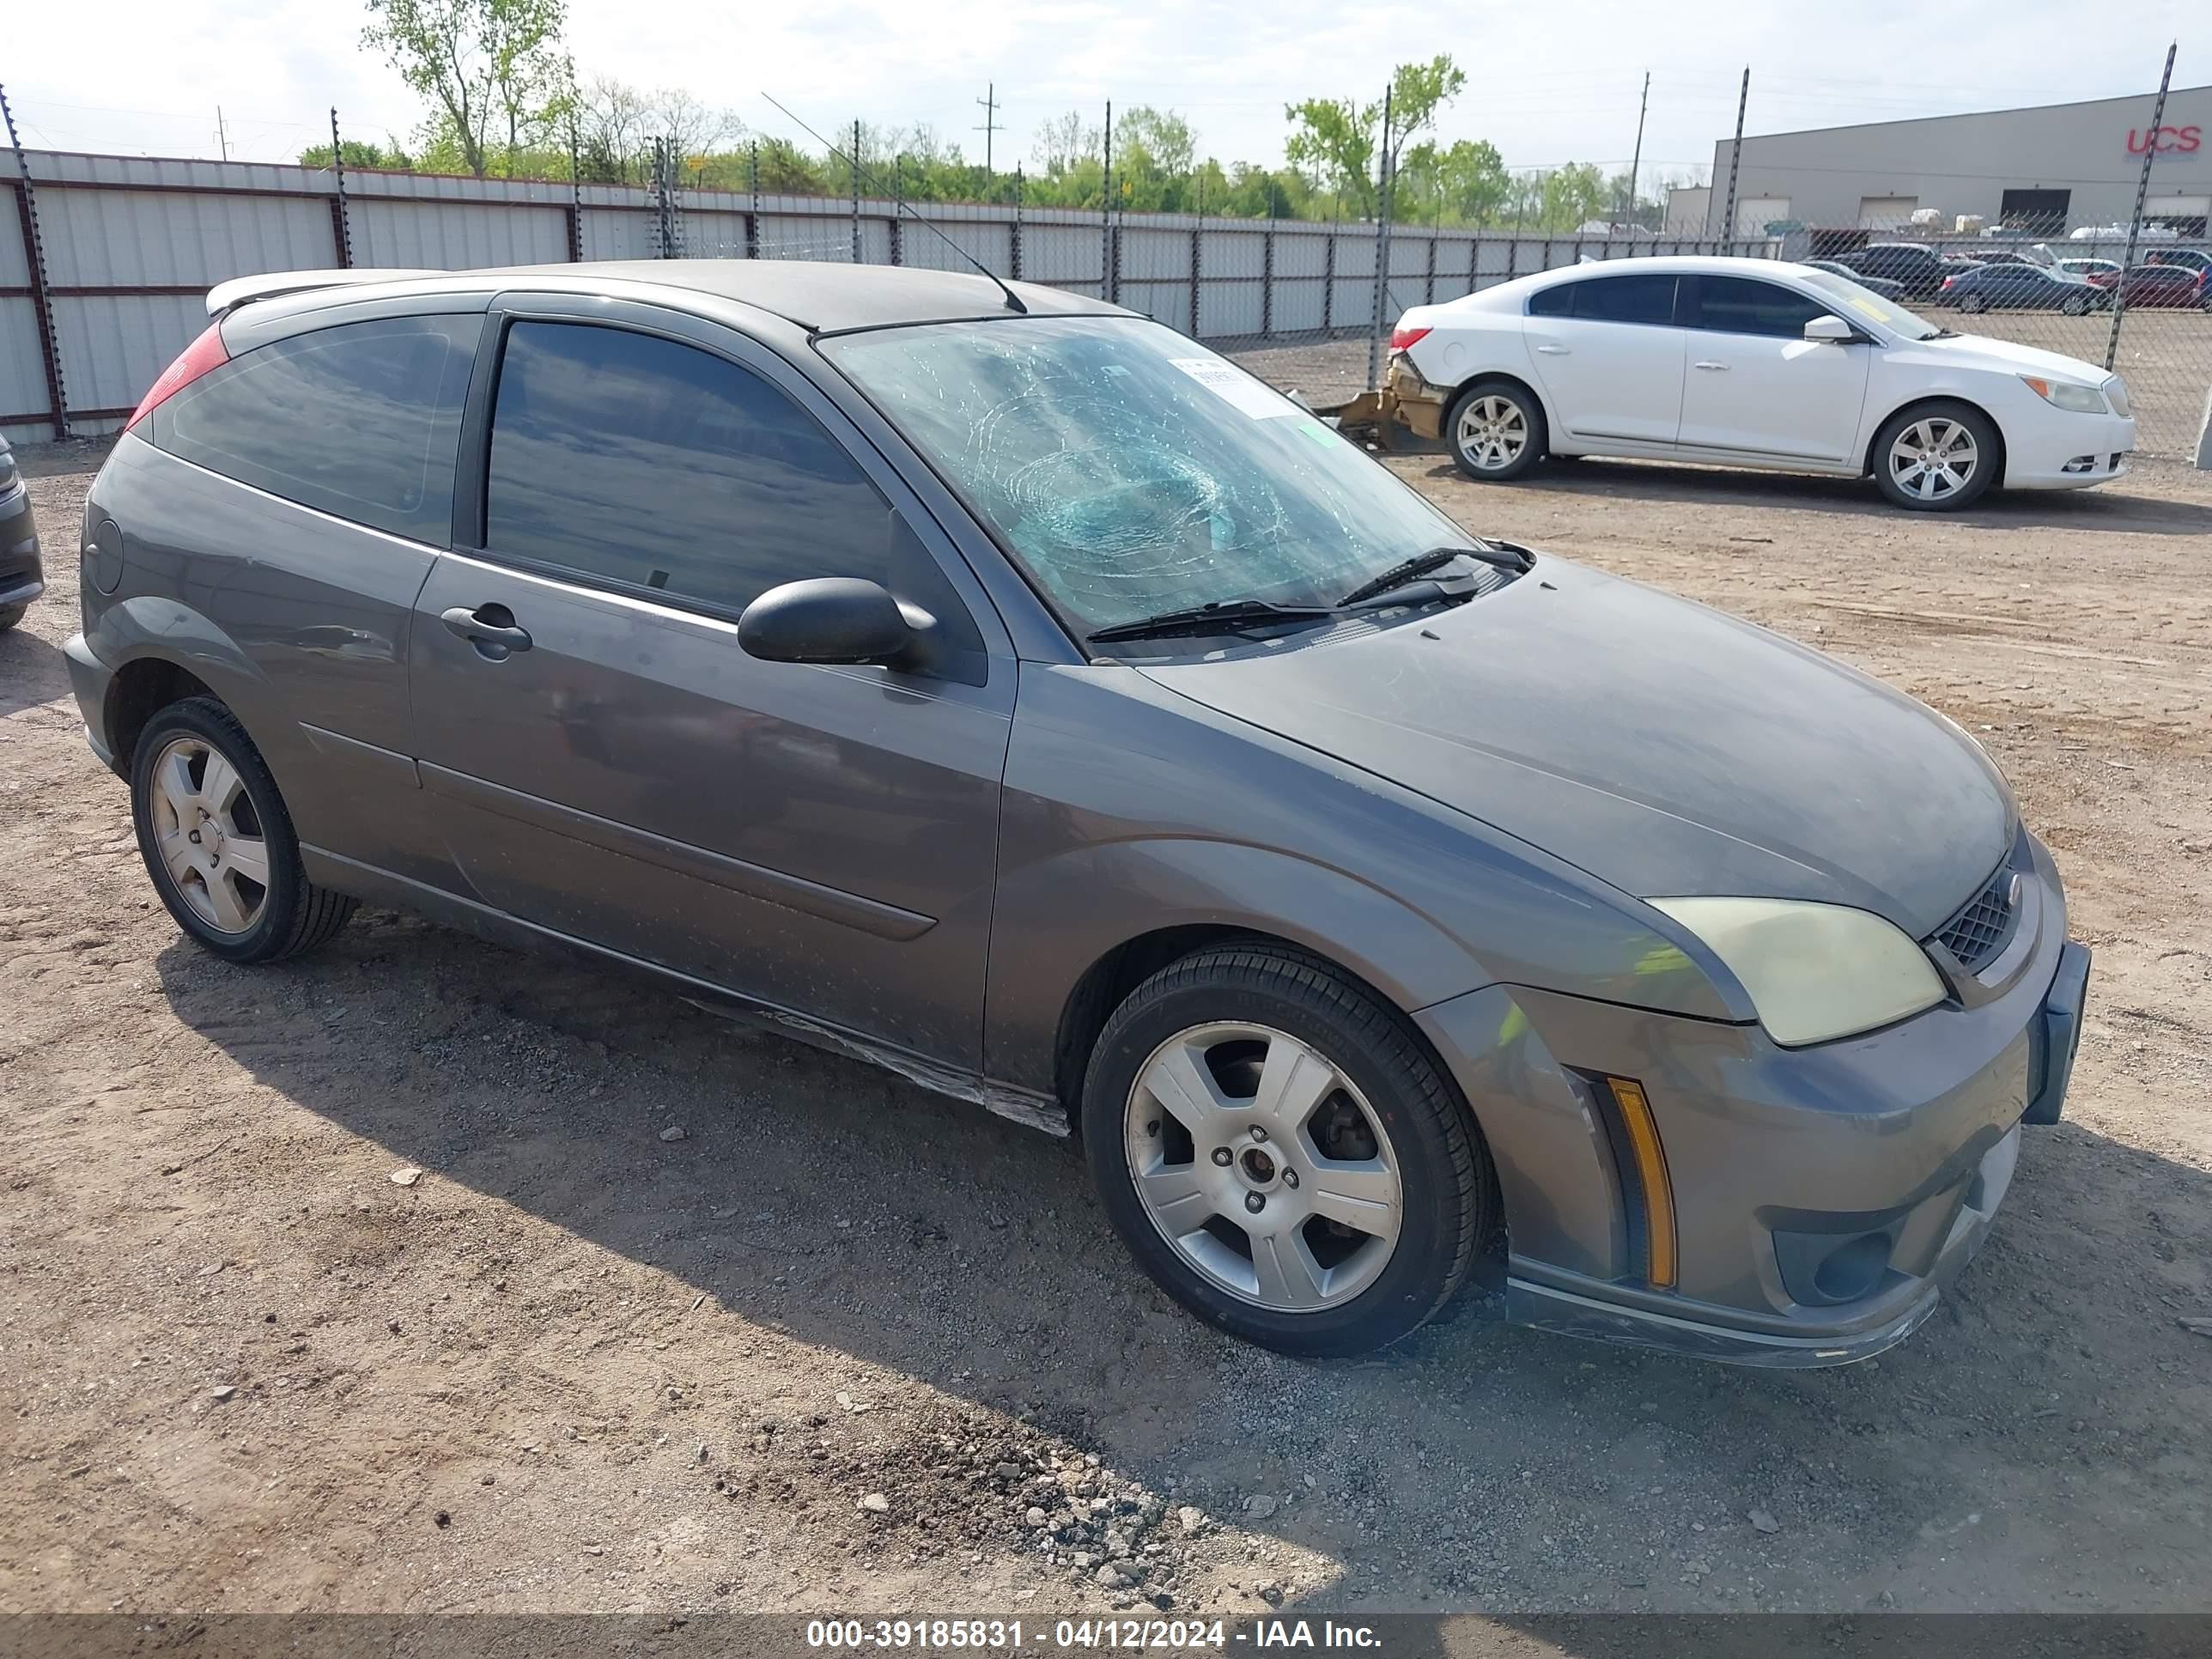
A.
pixel 989 101
pixel 1636 165
pixel 1735 159
pixel 222 136
pixel 2135 224
pixel 1382 253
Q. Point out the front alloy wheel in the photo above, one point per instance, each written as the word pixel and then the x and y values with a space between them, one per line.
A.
pixel 1263 1167
pixel 1281 1152
pixel 1936 458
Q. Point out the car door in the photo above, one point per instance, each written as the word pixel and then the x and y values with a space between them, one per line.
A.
pixel 1756 385
pixel 606 761
pixel 1609 356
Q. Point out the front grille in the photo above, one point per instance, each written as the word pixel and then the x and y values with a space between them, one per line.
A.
pixel 1978 932
pixel 2116 390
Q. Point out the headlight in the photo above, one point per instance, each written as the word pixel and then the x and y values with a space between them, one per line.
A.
pixel 7 469
pixel 1814 971
pixel 2064 394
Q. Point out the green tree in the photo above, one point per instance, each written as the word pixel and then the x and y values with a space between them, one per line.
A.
pixel 471 59
pixel 1572 195
pixel 360 154
pixel 1339 141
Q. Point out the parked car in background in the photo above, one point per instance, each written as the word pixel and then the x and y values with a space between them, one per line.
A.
pixel 2100 271
pixel 1880 285
pixel 1750 362
pixel 22 579
pixel 2196 258
pixel 1917 269
pixel 990 683
pixel 2164 286
pixel 2021 288
pixel 1992 256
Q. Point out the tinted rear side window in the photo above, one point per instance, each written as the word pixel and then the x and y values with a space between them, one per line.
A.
pixel 1645 299
pixel 652 464
pixel 1736 305
pixel 361 421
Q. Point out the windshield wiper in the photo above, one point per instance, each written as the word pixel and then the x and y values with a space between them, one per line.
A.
pixel 1219 616
pixel 1435 559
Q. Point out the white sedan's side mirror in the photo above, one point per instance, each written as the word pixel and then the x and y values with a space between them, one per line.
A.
pixel 1833 330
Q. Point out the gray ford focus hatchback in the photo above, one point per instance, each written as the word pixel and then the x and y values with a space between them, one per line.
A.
pixel 994 685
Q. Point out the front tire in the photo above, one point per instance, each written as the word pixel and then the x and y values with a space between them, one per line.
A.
pixel 1280 1153
pixel 1936 458
pixel 10 614
pixel 1495 430
pixel 218 843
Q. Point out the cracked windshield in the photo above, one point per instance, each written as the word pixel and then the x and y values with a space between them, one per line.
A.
pixel 1134 472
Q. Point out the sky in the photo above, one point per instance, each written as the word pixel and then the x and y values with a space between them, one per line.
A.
pixel 1547 84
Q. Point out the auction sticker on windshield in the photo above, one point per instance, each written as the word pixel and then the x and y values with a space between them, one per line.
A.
pixel 1239 388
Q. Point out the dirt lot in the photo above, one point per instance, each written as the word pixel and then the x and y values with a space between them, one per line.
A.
pixel 579 1366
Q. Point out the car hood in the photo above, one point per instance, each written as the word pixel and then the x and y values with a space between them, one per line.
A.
pixel 1980 351
pixel 1666 748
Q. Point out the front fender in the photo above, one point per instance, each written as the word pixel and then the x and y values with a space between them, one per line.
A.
pixel 1043 939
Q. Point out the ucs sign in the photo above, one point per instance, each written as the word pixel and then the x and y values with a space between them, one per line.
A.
pixel 2165 140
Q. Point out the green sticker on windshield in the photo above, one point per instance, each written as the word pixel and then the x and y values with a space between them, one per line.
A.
pixel 1314 429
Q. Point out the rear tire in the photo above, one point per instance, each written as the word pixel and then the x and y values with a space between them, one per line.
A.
pixel 1344 1228
pixel 1495 427
pixel 2073 305
pixel 1973 303
pixel 1937 456
pixel 218 843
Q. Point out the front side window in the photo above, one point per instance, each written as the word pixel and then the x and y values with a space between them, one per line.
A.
pixel 654 465
pixel 1737 305
pixel 362 421
pixel 1133 471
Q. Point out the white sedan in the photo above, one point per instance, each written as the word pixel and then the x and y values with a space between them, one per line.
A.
pixel 1750 362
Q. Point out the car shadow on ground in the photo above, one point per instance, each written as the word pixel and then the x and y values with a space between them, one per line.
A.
pixel 2113 509
pixel 819 1198
pixel 31 671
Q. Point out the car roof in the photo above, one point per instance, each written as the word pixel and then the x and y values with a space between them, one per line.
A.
pixel 817 296
pixel 1680 264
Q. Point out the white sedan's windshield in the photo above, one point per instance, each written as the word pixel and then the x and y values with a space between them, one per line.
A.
pixel 1854 303
pixel 1134 472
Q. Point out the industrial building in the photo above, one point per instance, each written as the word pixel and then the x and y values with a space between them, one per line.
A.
pixel 2049 169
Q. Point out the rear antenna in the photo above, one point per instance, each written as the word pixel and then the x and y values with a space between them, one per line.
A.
pixel 1013 300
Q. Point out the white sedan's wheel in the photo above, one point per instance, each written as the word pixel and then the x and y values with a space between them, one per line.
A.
pixel 1937 456
pixel 1495 430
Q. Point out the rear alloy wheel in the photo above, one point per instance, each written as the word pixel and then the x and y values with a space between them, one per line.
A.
pixel 1281 1155
pixel 2075 305
pixel 1495 429
pixel 218 843
pixel 1937 456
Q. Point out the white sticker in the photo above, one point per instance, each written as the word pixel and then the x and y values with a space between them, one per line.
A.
pixel 1238 387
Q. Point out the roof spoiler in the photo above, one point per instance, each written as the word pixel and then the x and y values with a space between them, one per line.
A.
pixel 226 297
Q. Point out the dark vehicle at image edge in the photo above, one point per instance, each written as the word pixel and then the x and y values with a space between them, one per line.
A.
pixel 22 578
pixel 999 686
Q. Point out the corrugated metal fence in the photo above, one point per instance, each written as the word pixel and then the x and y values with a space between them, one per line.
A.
pixel 131 245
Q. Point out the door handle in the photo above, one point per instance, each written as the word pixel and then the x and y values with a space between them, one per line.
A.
pixel 1709 363
pixel 1554 350
pixel 490 628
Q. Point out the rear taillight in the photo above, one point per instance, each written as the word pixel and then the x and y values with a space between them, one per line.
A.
pixel 1403 338
pixel 1947 281
pixel 201 355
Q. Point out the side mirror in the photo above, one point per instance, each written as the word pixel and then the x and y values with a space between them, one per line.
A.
pixel 1832 330
pixel 830 619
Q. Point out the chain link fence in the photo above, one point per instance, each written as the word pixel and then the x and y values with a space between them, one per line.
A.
pixel 104 260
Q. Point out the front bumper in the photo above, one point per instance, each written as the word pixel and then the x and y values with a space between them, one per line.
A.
pixel 2057 451
pixel 1822 1198
pixel 22 578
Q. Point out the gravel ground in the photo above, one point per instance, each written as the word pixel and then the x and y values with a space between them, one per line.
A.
pixel 845 1346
